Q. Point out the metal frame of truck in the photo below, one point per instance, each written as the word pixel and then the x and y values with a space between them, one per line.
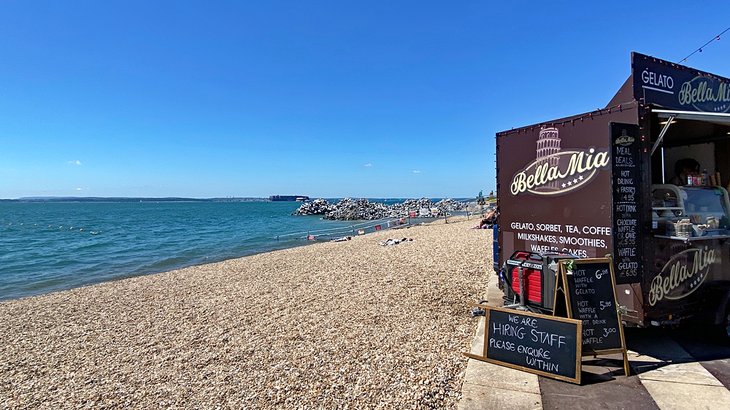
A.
pixel 583 185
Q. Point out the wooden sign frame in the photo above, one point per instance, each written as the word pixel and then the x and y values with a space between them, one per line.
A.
pixel 561 286
pixel 578 340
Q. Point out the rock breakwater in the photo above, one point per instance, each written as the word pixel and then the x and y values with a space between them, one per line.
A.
pixel 349 209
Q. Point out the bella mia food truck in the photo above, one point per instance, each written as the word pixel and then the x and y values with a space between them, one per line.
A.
pixel 644 179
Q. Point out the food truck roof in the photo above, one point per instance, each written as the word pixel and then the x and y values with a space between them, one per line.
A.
pixel 676 90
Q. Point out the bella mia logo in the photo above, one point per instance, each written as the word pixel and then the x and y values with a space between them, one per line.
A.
pixel 705 94
pixel 554 171
pixel 682 275
pixel 624 140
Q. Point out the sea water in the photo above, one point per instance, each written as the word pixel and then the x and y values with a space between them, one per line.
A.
pixel 49 246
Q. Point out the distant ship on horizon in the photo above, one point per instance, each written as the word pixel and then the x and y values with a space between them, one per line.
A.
pixel 288 198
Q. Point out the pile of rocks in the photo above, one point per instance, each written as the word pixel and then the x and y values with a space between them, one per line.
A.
pixel 317 207
pixel 361 209
pixel 356 209
pixel 450 205
pixel 402 209
pixel 425 206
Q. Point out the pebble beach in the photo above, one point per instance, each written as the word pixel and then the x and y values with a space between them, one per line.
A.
pixel 348 324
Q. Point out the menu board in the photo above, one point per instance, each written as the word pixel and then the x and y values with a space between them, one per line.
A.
pixel 627 196
pixel 590 291
pixel 540 344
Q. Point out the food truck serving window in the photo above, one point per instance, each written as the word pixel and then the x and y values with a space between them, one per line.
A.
pixel 705 202
pixel 678 136
pixel 690 211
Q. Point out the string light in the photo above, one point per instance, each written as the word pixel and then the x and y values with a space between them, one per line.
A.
pixel 699 50
pixel 573 119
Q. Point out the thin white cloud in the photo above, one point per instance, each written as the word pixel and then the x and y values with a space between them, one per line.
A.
pixel 75 162
pixel 416 171
pixel 79 189
pixel 368 165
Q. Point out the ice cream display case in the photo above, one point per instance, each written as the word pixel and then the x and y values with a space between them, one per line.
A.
pixel 690 213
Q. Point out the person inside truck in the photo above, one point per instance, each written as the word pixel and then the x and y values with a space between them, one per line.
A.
pixel 684 168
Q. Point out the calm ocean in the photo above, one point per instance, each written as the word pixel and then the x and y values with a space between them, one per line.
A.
pixel 51 246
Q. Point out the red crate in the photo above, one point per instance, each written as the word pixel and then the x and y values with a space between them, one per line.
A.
pixel 533 284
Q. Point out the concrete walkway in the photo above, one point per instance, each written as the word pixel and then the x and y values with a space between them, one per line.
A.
pixel 664 376
pixel 489 386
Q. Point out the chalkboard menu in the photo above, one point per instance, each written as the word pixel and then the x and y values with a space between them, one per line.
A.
pixel 627 199
pixel 591 296
pixel 540 344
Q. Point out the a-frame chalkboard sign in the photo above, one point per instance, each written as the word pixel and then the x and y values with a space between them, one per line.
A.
pixel 546 345
pixel 586 290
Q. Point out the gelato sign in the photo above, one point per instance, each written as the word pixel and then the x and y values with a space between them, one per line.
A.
pixel 682 275
pixel 555 171
pixel 678 87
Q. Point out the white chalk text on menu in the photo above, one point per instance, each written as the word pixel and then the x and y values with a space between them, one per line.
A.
pixel 627 197
pixel 593 301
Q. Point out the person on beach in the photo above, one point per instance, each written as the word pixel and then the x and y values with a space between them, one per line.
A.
pixel 489 219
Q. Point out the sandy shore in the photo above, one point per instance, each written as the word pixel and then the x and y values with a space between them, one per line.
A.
pixel 348 324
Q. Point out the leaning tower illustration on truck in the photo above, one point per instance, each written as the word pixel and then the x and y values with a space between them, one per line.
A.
pixel 548 144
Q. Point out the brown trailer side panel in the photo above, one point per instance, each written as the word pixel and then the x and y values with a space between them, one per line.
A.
pixel 554 185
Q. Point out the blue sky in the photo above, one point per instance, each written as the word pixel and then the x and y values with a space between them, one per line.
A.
pixel 324 98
